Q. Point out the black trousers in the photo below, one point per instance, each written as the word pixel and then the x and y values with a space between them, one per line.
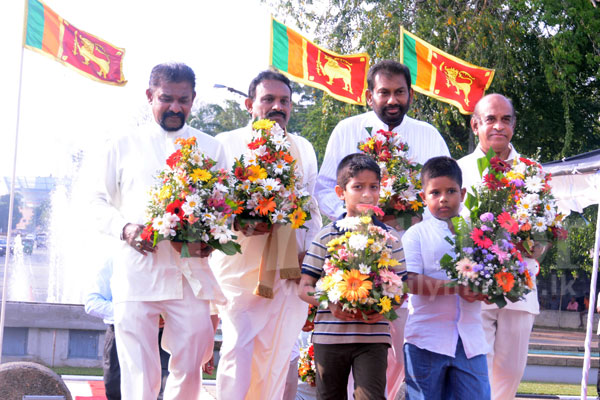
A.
pixel 110 365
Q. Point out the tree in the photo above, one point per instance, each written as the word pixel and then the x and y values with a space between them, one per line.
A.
pixel 41 215
pixel 545 53
pixel 4 208
pixel 213 118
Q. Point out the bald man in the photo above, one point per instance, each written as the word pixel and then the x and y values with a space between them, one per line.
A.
pixel 507 329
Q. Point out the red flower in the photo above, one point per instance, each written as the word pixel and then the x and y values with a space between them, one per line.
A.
pixel 480 239
pixel 559 233
pixel 174 159
pixel 527 161
pixel 147 234
pixel 311 351
pixel 492 182
pixel 508 223
pixel 499 165
pixel 257 143
pixel 505 280
pixel 175 208
pixel 241 173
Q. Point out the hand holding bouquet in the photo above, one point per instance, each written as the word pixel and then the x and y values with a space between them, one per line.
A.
pixel 401 177
pixel 267 180
pixel 191 202
pixel 359 272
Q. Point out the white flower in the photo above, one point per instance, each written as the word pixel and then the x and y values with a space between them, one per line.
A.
pixel 376 247
pixel 364 269
pixel 165 224
pixel 358 241
pixel 534 183
pixel 280 142
pixel 276 129
pixel 278 217
pixel 221 188
pixel 221 233
pixel 540 225
pixel 191 202
pixel 250 159
pixel 348 223
pixel 270 184
pixel 334 294
pixel 280 167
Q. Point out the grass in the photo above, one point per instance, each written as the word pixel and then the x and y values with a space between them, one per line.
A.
pixel 77 371
pixel 554 388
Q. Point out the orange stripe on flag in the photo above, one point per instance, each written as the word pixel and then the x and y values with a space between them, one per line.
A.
pixel 295 54
pixel 423 66
pixel 51 43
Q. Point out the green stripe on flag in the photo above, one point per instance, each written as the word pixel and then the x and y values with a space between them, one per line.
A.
pixel 280 46
pixel 35 24
pixel 410 58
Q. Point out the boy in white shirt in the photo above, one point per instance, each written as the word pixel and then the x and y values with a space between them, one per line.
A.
pixel 445 345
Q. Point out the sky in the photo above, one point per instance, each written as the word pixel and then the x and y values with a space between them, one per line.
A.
pixel 225 42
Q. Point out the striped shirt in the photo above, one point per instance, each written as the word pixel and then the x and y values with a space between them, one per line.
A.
pixel 329 329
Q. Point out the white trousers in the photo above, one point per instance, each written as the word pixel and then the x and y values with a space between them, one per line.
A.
pixel 507 333
pixel 187 336
pixel 258 338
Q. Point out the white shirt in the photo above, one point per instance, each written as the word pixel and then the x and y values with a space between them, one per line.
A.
pixel 121 194
pixel 470 171
pixel 424 142
pixel 436 322
pixel 238 274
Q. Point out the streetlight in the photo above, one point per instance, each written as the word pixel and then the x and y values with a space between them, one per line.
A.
pixel 232 90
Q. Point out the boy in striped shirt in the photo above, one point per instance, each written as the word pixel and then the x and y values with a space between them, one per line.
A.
pixel 345 341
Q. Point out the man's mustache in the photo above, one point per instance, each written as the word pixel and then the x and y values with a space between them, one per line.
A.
pixel 168 114
pixel 275 113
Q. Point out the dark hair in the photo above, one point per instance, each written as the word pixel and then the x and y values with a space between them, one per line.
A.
pixel 441 166
pixel 388 68
pixel 352 165
pixel 265 76
pixel 172 72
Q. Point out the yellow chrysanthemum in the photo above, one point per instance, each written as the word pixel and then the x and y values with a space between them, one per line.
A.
pixel 165 193
pixel 386 261
pixel 416 205
pixel 256 172
pixel 263 124
pixel 327 282
pixel 370 241
pixel 355 285
pixel 365 219
pixel 200 174
pixel 297 218
pixel 386 304
pixel 512 175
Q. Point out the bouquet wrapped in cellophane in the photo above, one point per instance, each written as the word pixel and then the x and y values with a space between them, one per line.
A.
pixel 191 202
pixel 359 269
pixel 306 365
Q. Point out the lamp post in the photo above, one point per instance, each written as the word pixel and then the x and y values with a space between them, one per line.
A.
pixel 232 90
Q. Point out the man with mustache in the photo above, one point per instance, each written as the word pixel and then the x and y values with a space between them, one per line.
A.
pixel 389 93
pixel 259 332
pixel 507 330
pixel 149 281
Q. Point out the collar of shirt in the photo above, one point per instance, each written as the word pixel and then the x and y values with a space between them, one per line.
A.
pixel 511 156
pixel 378 124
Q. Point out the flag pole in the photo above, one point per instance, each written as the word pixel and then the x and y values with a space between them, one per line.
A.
pixel 402 44
pixel 11 202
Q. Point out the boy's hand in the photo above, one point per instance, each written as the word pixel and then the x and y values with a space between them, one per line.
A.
pixel 337 312
pixel 371 318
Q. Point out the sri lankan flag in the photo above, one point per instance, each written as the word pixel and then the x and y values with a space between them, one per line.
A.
pixel 47 33
pixel 443 76
pixel 343 77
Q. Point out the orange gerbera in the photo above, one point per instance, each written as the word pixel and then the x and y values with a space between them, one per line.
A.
pixel 506 280
pixel 186 142
pixel 266 206
pixel 355 285
pixel 528 279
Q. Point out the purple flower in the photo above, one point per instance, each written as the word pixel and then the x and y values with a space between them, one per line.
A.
pixel 517 182
pixel 487 217
pixel 489 257
pixel 486 228
pixel 468 250
pixel 477 267
pixel 522 266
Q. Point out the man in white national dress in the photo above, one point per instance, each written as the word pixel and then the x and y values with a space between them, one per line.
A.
pixel 389 93
pixel 149 281
pixel 507 329
pixel 259 332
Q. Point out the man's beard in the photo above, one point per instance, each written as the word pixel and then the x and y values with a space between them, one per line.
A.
pixel 168 114
pixel 395 119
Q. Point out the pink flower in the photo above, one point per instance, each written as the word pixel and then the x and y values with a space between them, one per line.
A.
pixel 465 268
pixel 501 254
pixel 376 210
pixel 388 276
pixel 329 268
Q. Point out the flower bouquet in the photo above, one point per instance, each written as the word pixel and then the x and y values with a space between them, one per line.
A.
pixel 306 365
pixel 191 203
pixel 359 272
pixel 535 207
pixel 267 181
pixel 401 177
